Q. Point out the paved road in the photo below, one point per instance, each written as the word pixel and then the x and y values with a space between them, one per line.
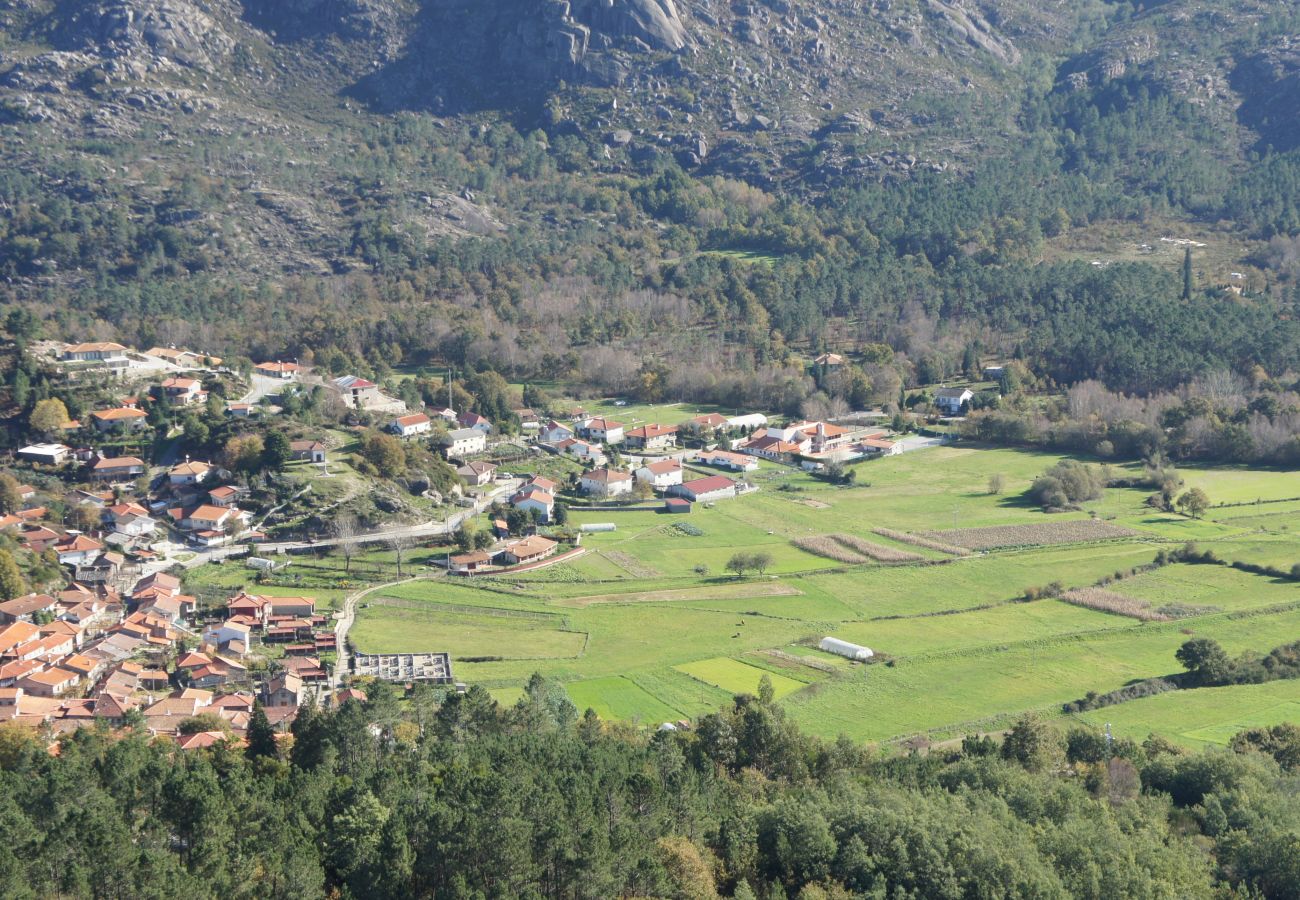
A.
pixel 261 386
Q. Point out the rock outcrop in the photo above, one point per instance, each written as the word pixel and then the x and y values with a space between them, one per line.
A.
pixel 176 31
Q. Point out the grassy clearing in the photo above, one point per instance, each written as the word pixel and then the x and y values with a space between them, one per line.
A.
pixel 741 589
pixel 463 634
pixel 737 677
pixel 996 628
pixel 615 697
pixel 1203 716
pixel 1238 484
pixel 986 687
pixel 1219 586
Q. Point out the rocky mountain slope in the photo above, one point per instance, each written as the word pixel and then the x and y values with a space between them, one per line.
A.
pixel 254 127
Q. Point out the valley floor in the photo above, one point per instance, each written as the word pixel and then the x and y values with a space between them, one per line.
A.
pixel 649 626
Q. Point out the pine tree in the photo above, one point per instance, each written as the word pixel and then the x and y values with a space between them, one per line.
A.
pixel 11 579
pixel 261 736
pixel 1187 274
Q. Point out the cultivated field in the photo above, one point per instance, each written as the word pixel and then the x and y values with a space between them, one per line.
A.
pixel 649 625
pixel 1038 534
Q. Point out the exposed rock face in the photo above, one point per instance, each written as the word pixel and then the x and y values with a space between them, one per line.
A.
pixel 526 45
pixel 172 30
pixel 1270 82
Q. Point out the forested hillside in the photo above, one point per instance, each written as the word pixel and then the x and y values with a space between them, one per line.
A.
pixel 466 799
pixel 692 187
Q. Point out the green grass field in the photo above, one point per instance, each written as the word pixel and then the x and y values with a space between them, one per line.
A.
pixel 1204 716
pixel 737 677
pixel 648 626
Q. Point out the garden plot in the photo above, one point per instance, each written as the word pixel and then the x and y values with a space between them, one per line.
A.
pixel 1039 534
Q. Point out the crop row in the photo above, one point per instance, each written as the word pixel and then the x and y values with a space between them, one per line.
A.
pixel 828 547
pixel 1076 531
pixel 878 552
pixel 1111 602
pixel 917 540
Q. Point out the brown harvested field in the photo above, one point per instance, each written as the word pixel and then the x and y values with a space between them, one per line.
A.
pixel 824 545
pixel 1078 531
pixel 1111 602
pixel 630 564
pixel 742 589
pixel 917 540
pixel 878 552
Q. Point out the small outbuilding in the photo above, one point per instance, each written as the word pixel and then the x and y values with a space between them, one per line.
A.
pixel 677 505
pixel 855 652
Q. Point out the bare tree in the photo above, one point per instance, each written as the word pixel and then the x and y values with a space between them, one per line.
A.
pixel 346 530
pixel 399 544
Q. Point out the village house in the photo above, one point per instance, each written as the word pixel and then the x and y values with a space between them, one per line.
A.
pixel 553 432
pixel 248 609
pixel 189 472
pixel 117 468
pixel 529 550
pixel 184 358
pixel 101 351
pixel 528 420
pixel 660 475
pixel 357 392
pixel 49 683
pixel 714 487
pixel 206 517
pixel 477 474
pixel 475 421
pixel 313 451
pixel 26 607
pixel 447 414
pixel 75 549
pixel 99 569
pixel 606 483
pixel 601 430
pixel 708 423
pixel 180 391
pixel 120 419
pixel 950 401
pixel 232 636
pixel 14 636
pixel 468 563
pixel 226 496
pixel 651 437
pixel 411 426
pixel 725 459
pixel 829 360
pixel 533 498
pixel 465 442
pixel 582 451
pixel 283 690
pixel 239 410
pixel 295 607
pixel 38 538
pixel 45 454
pixel 281 370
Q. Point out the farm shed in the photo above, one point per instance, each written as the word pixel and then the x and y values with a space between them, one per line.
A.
pixel 598 526
pixel 854 652
pixel 677 505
